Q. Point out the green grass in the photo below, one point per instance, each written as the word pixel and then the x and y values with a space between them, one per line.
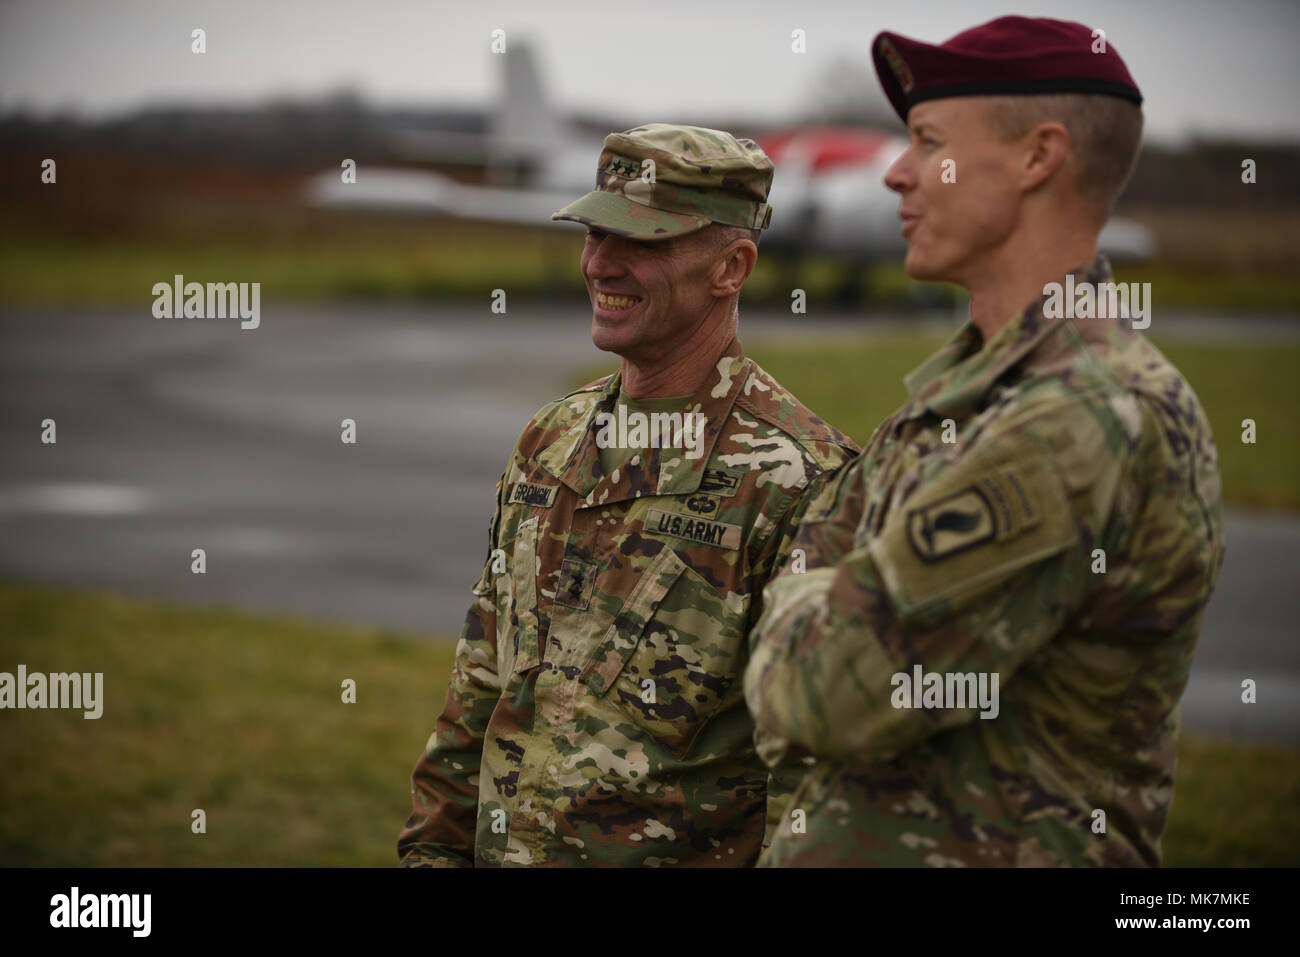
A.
pixel 1234 806
pixel 313 260
pixel 237 715
pixel 855 382
pixel 241 715
pixel 1261 382
pixel 1232 293
pixel 48 272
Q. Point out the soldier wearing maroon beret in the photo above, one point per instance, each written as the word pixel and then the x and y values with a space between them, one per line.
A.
pixel 982 663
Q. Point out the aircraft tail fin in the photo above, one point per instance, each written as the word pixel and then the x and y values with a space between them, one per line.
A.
pixel 525 132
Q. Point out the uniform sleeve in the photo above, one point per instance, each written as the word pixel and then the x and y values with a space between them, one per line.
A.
pixel 785 767
pixel 971 575
pixel 444 785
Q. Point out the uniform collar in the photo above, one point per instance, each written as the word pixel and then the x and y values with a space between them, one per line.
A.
pixel 574 458
pixel 954 379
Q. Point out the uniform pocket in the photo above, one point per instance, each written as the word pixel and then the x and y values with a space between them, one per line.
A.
pixel 672 672
pixel 623 635
pixel 517 630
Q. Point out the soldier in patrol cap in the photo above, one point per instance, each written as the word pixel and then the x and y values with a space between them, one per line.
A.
pixel 983 663
pixel 596 713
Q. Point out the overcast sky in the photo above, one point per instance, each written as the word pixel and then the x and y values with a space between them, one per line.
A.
pixel 1204 66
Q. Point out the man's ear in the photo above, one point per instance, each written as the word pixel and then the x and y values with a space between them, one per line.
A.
pixel 732 266
pixel 1047 148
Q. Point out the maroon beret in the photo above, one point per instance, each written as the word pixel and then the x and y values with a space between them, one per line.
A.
pixel 1006 55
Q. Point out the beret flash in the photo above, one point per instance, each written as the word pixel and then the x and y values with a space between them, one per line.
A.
pixel 1007 55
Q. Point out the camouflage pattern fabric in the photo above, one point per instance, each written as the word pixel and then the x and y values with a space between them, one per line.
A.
pixel 596 714
pixel 979 556
pixel 663 180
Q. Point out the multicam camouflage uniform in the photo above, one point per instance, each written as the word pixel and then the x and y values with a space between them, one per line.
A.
pixel 660 180
pixel 647 575
pixel 596 713
pixel 1073 438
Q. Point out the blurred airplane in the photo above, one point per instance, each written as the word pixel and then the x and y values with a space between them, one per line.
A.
pixel 828 195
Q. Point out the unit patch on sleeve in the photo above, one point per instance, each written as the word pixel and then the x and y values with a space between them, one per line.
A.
pixel 996 505
pixel 973 526
pixel 950 525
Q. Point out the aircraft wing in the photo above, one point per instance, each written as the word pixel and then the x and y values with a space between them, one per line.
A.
pixel 419 192
pixel 865 229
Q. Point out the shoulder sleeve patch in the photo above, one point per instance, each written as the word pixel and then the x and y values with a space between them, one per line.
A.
pixel 974 526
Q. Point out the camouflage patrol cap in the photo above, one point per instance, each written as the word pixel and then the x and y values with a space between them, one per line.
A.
pixel 662 180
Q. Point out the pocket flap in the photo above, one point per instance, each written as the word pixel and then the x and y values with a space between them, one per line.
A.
pixel 624 633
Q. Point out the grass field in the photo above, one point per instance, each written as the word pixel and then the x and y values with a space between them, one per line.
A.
pixel 242 716
pixel 313 258
pixel 50 272
pixel 855 382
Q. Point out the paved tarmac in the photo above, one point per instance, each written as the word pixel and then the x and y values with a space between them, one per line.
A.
pixel 178 434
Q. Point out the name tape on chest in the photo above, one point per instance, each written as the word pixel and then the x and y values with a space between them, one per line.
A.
pixel 542 496
pixel 703 531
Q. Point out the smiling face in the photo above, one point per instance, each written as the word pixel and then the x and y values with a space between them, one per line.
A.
pixel 954 229
pixel 647 294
